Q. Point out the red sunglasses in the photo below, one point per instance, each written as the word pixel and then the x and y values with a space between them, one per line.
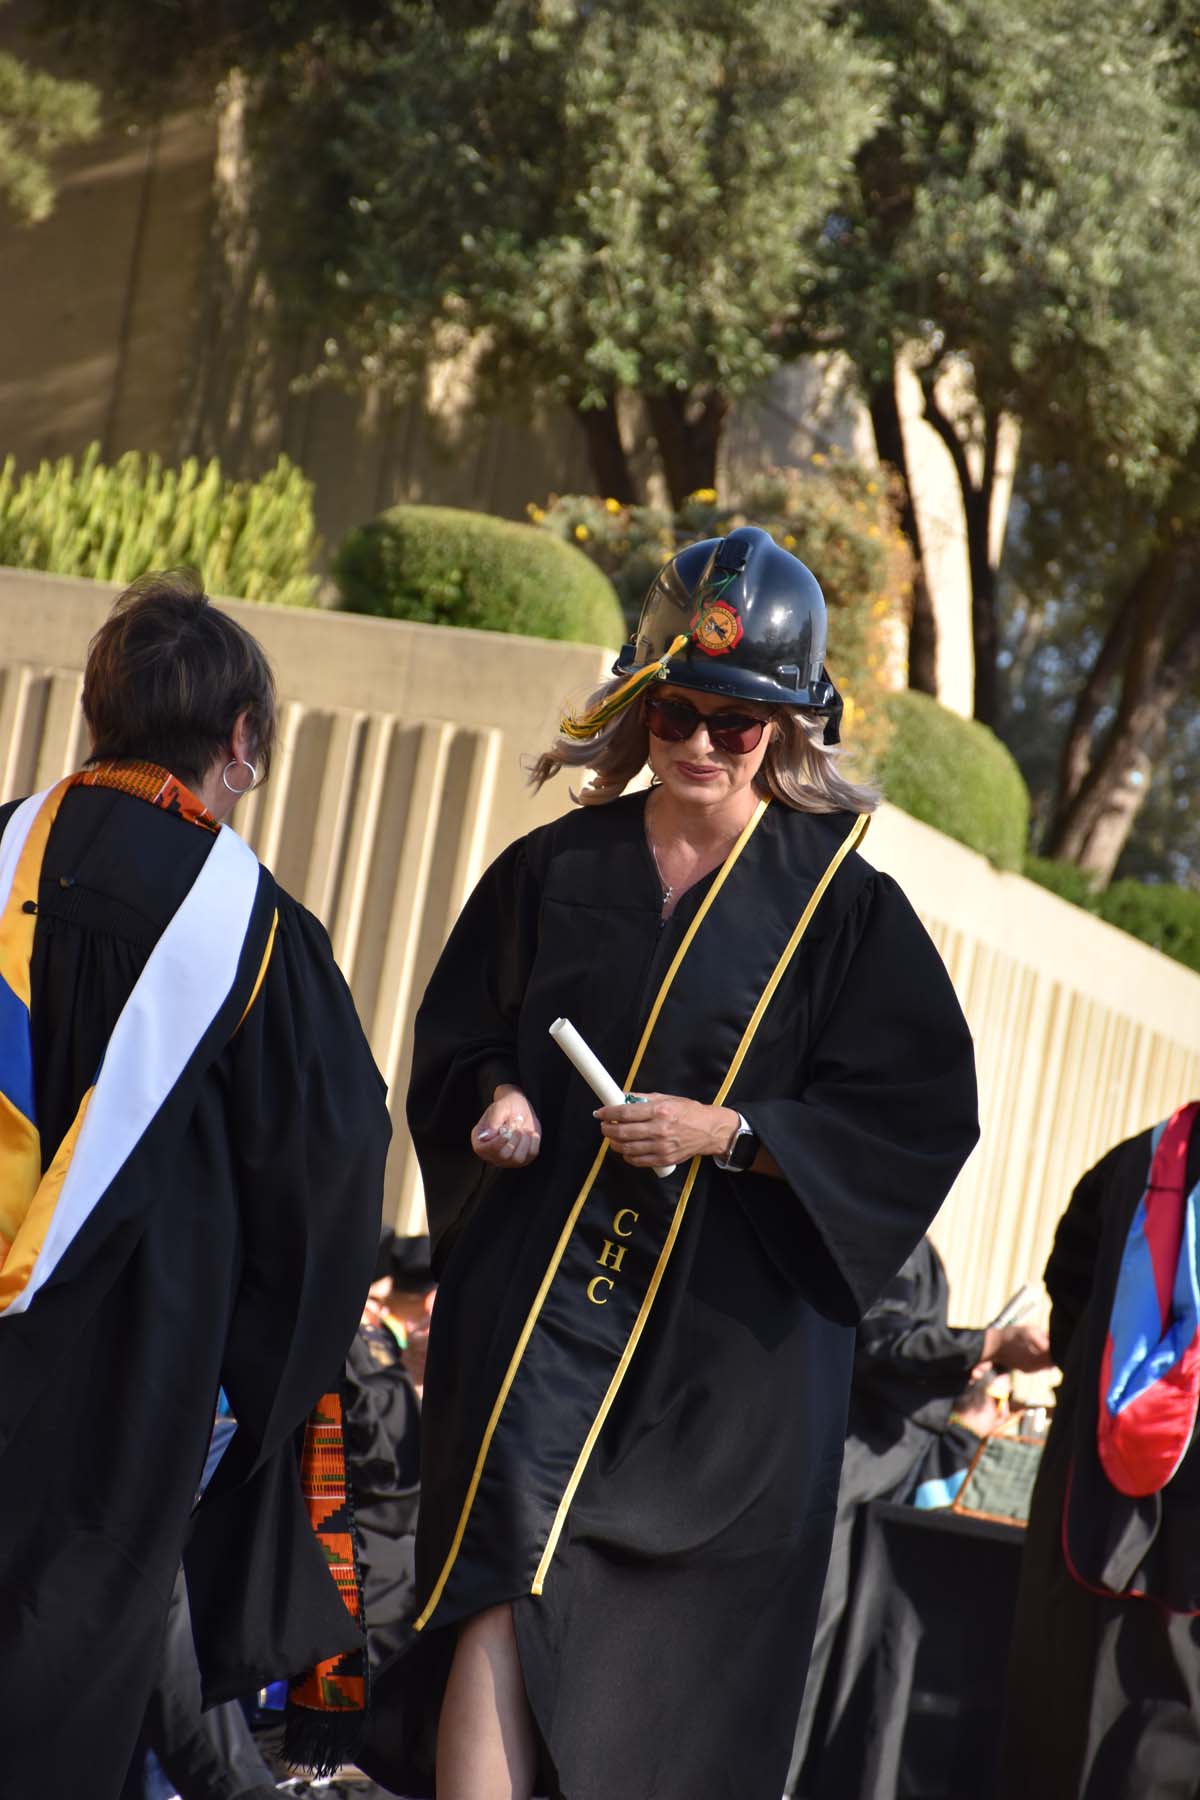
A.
pixel 674 721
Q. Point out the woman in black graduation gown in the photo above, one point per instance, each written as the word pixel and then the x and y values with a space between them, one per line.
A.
pixel 186 1084
pixel 636 1387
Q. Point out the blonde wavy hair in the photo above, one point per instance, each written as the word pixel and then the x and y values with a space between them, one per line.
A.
pixel 799 769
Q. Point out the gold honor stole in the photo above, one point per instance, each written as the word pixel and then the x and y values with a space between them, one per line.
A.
pixel 596 1294
pixel 187 978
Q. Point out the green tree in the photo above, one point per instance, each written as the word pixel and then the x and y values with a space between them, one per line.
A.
pixel 1103 665
pixel 179 53
pixel 39 114
pixel 1022 217
pixel 579 198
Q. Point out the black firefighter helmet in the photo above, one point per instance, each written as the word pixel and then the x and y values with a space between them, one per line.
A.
pixel 755 622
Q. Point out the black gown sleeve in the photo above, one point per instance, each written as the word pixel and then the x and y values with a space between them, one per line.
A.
pixel 888 1110
pixel 311 1133
pixel 465 1036
pixel 904 1336
pixel 1071 1271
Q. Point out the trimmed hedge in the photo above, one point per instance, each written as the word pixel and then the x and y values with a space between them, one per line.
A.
pixel 442 566
pixel 957 776
pixel 251 540
pixel 1161 915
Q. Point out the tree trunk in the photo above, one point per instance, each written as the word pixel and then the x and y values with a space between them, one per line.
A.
pixel 977 509
pixel 890 449
pixel 687 429
pixel 1076 756
pixel 985 626
pixel 1093 826
pixel 611 473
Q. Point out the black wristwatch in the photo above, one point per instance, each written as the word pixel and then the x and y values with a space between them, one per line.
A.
pixel 743 1148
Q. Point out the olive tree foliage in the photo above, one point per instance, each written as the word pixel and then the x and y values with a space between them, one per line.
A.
pixel 1102 615
pixel 176 52
pixel 579 198
pixel 39 114
pixel 1022 217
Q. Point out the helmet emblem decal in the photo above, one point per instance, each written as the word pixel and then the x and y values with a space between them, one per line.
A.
pixel 717 628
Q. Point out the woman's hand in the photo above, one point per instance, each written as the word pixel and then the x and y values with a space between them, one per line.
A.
pixel 665 1128
pixel 508 1134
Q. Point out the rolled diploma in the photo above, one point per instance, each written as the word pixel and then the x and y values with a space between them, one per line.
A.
pixel 606 1090
pixel 1023 1302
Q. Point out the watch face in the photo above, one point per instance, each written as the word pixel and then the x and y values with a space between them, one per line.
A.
pixel 744 1152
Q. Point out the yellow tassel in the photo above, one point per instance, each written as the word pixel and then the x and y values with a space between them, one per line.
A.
pixel 586 724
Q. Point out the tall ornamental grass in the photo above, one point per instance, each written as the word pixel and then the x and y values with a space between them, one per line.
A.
pixel 250 540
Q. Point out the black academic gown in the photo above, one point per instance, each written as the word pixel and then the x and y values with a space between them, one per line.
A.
pixel 1104 1692
pixel 235 1246
pixel 641 1451
pixel 910 1365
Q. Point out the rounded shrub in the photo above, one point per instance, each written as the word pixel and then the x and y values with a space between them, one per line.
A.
pixel 439 565
pixel 956 775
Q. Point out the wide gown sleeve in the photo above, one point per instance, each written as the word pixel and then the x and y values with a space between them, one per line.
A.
pixel 905 1337
pixel 310 1132
pixel 465 1035
pixel 887 1114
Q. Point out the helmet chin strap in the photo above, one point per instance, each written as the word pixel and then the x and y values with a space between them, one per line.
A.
pixel 833 719
pixel 586 724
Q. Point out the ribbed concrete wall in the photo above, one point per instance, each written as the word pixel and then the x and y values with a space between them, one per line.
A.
pixel 399 778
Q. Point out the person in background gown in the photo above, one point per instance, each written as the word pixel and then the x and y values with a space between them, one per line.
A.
pixel 190 1190
pixel 636 1387
pixel 1104 1672
pixel 383 1436
pixel 910 1367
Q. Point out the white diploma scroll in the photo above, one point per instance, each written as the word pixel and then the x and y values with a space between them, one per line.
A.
pixel 1022 1303
pixel 606 1090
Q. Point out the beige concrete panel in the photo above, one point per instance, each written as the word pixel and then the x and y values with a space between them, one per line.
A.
pixel 948 882
pixel 26 693
pixel 338 659
pixel 1083 1036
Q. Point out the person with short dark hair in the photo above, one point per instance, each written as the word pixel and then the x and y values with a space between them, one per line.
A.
pixel 168 677
pixel 192 1141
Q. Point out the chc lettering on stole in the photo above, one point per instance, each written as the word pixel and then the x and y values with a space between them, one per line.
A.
pixel 612 1255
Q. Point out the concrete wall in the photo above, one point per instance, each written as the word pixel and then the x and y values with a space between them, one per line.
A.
pixel 399 778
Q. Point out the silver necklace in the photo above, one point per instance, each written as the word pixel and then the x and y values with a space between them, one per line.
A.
pixel 667 889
